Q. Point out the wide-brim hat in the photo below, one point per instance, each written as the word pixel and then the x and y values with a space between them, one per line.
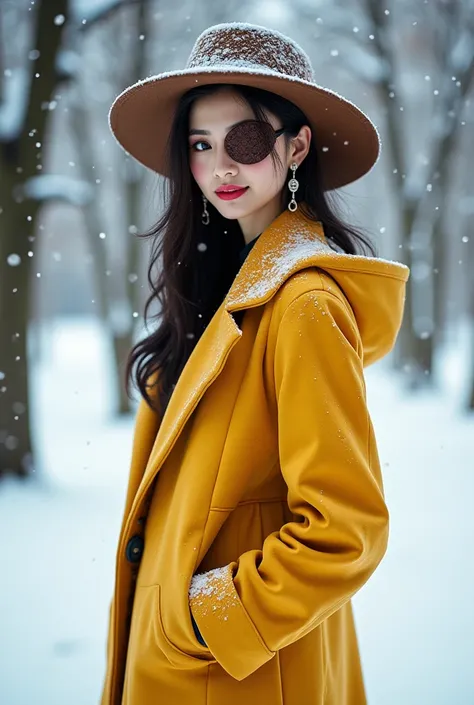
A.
pixel 141 117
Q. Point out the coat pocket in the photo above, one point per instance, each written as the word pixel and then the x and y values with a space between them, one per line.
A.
pixel 173 653
pixel 150 650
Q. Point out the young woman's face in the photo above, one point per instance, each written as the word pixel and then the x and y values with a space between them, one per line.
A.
pixel 211 118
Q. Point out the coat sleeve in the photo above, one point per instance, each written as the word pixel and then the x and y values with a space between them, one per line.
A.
pixel 269 598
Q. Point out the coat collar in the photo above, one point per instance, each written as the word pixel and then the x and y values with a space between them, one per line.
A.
pixel 289 243
pixel 285 246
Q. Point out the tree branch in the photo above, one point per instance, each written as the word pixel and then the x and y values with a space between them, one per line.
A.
pixel 101 12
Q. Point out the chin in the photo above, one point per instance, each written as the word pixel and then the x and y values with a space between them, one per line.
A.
pixel 231 210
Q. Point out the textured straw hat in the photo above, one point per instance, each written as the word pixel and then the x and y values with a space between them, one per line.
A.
pixel 238 53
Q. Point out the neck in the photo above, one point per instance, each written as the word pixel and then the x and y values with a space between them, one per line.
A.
pixel 255 223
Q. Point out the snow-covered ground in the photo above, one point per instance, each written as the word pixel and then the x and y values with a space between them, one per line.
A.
pixel 415 617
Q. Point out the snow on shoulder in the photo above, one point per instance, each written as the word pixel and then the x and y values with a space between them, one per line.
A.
pixel 290 245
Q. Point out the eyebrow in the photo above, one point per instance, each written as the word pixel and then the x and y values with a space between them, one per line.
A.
pixel 206 132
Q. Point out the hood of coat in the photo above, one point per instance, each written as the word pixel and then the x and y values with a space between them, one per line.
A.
pixel 374 287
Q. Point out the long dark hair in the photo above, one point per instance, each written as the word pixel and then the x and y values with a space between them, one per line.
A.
pixel 192 266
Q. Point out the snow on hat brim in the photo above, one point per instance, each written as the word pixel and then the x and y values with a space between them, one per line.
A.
pixel 348 142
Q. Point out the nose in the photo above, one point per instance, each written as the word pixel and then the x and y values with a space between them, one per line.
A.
pixel 224 165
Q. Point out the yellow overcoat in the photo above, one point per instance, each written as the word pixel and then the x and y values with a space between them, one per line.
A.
pixel 263 480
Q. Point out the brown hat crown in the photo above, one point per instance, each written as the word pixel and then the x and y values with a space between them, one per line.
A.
pixel 239 45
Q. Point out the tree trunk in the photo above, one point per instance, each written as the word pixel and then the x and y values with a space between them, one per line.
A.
pixel 470 400
pixel 20 159
pixel 470 294
pixel 403 352
pixel 122 345
pixel 133 189
pixel 470 394
pixel 16 455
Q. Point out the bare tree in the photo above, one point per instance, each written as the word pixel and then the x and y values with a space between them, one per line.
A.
pixel 26 97
pixel 375 33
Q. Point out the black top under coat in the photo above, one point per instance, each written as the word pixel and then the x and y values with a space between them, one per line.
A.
pixel 238 315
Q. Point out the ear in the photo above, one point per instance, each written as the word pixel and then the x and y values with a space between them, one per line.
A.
pixel 299 146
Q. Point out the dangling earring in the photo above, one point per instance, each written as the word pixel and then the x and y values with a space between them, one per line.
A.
pixel 205 213
pixel 293 185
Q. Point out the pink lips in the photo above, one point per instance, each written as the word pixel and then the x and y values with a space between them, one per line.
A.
pixel 228 193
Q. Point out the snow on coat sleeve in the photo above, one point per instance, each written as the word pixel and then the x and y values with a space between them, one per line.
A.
pixel 269 598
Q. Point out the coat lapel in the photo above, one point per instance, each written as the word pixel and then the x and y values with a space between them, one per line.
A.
pixel 202 367
pixel 289 244
pixel 284 247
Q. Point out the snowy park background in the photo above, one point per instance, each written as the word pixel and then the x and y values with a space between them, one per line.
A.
pixel 414 617
pixel 74 209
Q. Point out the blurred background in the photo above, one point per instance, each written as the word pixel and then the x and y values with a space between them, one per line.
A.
pixel 73 286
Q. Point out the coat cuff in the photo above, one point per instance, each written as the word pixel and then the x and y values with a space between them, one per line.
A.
pixel 221 618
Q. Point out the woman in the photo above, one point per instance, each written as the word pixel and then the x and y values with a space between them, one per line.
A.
pixel 255 507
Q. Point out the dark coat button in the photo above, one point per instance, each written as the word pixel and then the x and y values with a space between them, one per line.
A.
pixel 134 549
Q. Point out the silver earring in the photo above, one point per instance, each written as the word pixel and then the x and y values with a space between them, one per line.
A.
pixel 205 213
pixel 293 185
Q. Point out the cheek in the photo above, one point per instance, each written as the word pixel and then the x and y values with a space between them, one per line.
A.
pixel 264 172
pixel 197 170
pixel 260 167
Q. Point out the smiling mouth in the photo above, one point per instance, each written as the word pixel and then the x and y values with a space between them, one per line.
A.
pixel 229 194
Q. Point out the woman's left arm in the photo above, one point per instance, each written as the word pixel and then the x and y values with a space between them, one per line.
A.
pixel 308 569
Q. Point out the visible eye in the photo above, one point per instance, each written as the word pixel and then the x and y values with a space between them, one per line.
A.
pixel 196 148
